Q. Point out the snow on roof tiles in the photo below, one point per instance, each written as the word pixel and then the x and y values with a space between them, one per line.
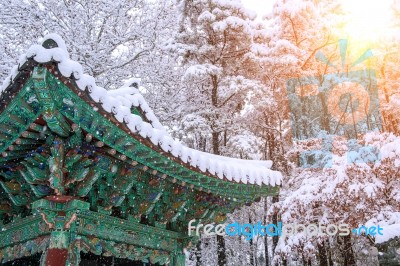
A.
pixel 119 102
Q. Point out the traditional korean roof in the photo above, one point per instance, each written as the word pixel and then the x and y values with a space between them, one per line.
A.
pixel 61 134
pixel 119 103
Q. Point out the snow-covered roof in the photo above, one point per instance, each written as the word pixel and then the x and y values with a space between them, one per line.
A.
pixel 119 103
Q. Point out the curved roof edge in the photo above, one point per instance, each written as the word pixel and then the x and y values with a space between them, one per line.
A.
pixel 119 103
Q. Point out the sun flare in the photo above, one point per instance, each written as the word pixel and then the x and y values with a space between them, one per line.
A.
pixel 367 20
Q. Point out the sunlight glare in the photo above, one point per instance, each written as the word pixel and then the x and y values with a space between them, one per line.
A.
pixel 367 20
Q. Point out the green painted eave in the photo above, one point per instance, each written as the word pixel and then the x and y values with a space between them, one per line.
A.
pixel 89 116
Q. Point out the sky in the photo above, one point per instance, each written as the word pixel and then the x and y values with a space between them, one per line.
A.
pixel 262 7
pixel 366 19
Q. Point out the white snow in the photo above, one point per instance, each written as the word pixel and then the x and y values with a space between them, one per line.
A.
pixel 389 221
pixel 119 102
pixel 388 232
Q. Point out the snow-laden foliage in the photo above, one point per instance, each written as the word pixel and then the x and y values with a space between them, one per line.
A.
pixel 216 48
pixel 114 40
pixel 358 184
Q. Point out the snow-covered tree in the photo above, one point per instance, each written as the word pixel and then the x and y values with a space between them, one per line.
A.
pixel 114 40
pixel 216 47
pixel 354 183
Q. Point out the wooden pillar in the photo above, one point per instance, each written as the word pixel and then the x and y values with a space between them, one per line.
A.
pixel 59 213
pixel 57 252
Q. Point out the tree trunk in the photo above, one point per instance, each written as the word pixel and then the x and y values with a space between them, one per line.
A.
pixel 275 221
pixel 322 257
pixel 330 255
pixel 251 245
pixel 215 142
pixel 275 239
pixel 215 146
pixel 348 253
pixel 198 253
pixel 221 251
pixel 325 114
pixel 251 252
pixel 225 138
pixel 266 253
